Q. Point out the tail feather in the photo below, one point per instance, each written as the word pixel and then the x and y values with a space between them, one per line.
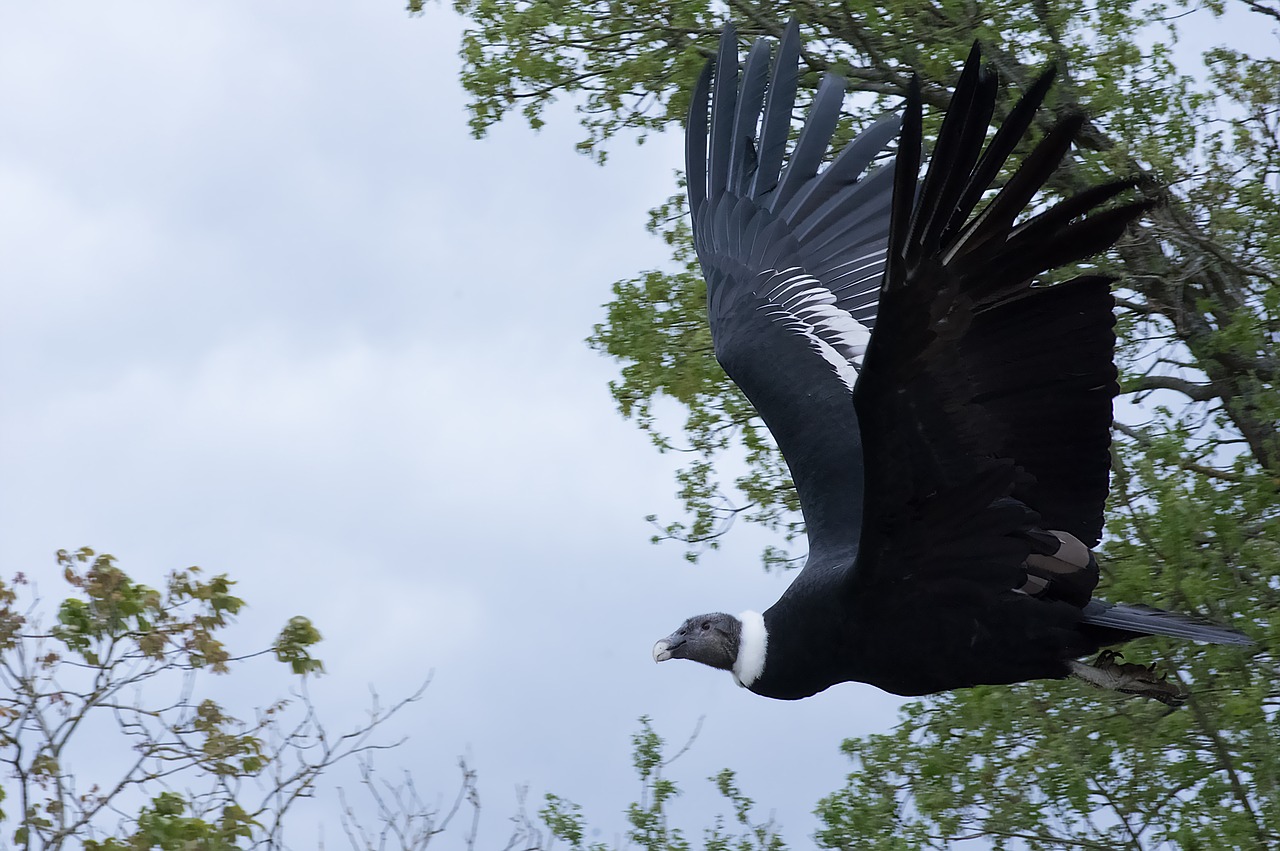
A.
pixel 1147 620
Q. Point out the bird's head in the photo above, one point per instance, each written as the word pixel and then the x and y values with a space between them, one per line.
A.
pixel 710 639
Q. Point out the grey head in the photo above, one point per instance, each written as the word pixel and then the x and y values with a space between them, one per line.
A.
pixel 711 639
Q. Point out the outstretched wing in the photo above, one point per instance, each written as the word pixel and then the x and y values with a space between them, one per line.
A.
pixel 985 400
pixel 794 257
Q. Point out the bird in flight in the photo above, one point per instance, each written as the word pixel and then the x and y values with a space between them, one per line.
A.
pixel 945 417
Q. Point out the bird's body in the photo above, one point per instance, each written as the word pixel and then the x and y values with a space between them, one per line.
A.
pixel 946 420
pixel 934 642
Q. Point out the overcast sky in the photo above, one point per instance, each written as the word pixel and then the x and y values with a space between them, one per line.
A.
pixel 268 309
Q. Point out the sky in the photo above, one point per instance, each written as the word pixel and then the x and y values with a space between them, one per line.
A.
pixel 270 310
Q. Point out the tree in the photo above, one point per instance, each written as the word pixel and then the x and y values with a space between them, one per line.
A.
pixel 122 673
pixel 1192 521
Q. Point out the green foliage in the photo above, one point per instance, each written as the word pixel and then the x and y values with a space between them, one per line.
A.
pixel 525 56
pixel 564 819
pixel 754 837
pixel 122 668
pixel 1049 765
pixel 630 66
pixel 293 646
pixel 649 816
pixel 163 826
pixel 119 618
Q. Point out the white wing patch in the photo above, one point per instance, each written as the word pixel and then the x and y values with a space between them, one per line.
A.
pixel 804 306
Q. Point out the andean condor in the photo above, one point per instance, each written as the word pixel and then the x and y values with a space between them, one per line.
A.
pixel 946 419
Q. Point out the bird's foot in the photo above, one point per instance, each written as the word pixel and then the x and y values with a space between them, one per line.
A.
pixel 1107 672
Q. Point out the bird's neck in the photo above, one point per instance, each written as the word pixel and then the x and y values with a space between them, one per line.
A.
pixel 752 647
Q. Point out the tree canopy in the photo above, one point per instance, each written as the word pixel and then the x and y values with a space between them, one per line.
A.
pixel 1192 517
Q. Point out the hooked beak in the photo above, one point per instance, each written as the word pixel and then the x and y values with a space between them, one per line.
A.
pixel 662 651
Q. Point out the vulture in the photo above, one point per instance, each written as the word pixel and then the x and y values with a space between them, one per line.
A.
pixel 945 415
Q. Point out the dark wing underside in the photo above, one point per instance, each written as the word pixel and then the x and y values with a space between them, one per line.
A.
pixel 794 258
pixel 985 400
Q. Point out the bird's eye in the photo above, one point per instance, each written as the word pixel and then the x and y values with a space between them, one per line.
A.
pixel 706 625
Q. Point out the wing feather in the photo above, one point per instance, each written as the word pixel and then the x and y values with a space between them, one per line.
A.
pixel 723 109
pixel 775 125
pixel 811 148
pixel 789 248
pixel 979 388
pixel 750 98
pixel 695 142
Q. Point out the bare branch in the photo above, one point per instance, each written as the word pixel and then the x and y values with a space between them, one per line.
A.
pixel 1194 392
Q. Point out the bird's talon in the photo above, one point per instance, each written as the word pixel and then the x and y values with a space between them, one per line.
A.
pixel 1128 678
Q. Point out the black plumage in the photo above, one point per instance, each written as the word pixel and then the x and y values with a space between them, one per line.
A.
pixel 946 419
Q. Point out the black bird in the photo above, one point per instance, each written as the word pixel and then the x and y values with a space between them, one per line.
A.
pixel 946 419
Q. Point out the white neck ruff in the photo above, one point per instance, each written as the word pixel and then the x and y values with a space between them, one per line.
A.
pixel 752 647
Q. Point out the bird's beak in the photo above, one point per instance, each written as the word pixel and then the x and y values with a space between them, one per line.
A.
pixel 662 650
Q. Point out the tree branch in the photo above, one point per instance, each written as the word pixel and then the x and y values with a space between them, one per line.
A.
pixel 1145 439
pixel 1194 392
pixel 1255 6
